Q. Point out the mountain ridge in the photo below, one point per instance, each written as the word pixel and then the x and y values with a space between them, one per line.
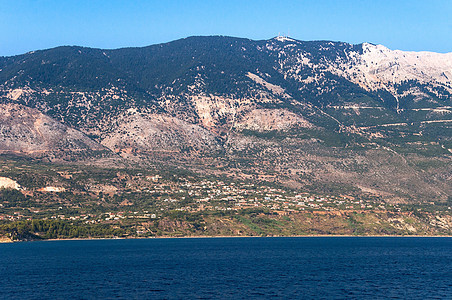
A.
pixel 291 105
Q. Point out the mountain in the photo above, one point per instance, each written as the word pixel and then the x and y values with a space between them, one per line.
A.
pixel 316 115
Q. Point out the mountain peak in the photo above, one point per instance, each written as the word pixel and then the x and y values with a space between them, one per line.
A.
pixel 281 38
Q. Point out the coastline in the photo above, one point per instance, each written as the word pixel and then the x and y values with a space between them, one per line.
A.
pixel 248 236
pixel 5 240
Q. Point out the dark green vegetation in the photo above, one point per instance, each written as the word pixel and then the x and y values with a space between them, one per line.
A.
pixel 243 223
pixel 54 229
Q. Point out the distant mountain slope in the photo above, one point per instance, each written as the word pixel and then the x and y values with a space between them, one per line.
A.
pixel 321 73
pixel 28 131
pixel 318 114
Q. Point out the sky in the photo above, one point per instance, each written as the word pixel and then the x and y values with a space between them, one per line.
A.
pixel 414 25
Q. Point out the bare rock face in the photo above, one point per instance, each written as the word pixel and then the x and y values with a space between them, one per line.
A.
pixel 380 67
pixel 26 130
pixel 271 119
pixel 149 133
pixel 8 183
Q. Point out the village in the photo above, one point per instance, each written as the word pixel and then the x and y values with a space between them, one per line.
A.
pixel 151 197
pixel 123 203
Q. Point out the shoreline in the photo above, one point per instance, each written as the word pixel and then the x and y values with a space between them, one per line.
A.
pixel 7 240
pixel 248 236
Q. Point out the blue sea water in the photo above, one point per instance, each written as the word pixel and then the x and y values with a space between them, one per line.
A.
pixel 229 268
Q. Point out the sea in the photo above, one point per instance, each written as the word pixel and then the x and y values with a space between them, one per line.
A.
pixel 229 268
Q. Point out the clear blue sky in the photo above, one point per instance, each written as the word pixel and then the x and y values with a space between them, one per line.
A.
pixel 415 25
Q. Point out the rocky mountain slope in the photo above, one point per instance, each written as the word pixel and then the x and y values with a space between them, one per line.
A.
pixel 314 115
pixel 26 130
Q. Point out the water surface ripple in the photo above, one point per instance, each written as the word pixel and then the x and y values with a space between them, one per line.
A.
pixel 233 268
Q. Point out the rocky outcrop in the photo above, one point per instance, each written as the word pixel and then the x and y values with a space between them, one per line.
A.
pixel 8 183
